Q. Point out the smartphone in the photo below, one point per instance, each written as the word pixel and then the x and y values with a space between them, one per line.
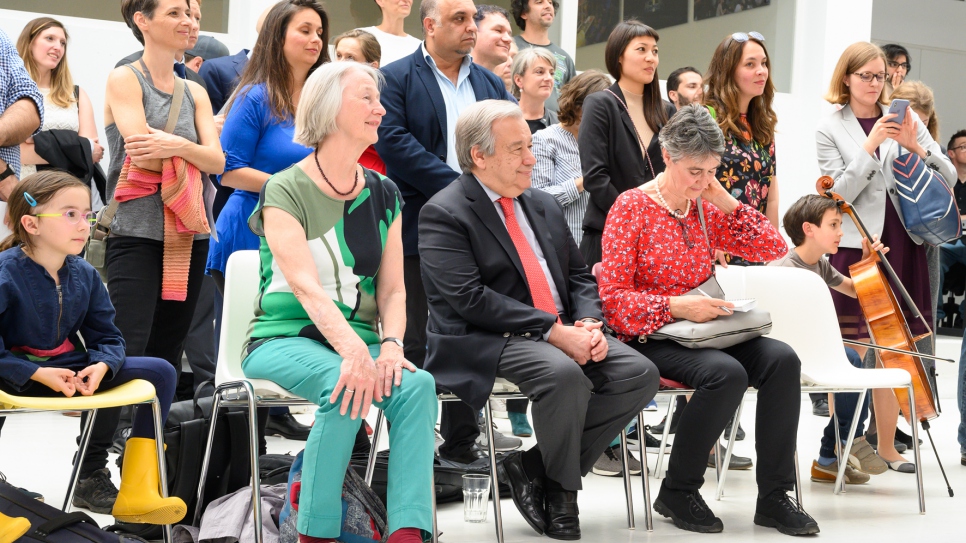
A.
pixel 899 107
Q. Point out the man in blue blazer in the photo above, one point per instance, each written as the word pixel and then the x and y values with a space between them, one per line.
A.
pixel 221 75
pixel 423 96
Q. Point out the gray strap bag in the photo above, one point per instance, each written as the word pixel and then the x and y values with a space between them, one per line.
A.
pixel 719 333
pixel 96 251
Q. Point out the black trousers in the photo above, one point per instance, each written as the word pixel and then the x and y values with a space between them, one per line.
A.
pixel 458 424
pixel 150 326
pixel 720 379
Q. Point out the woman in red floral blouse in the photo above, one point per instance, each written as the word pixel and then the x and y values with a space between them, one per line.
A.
pixel 654 252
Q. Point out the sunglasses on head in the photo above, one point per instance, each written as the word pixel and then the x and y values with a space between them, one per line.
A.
pixel 742 37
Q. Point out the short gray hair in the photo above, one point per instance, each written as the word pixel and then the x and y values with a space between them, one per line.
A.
pixel 428 8
pixel 322 99
pixel 692 133
pixel 524 60
pixel 475 128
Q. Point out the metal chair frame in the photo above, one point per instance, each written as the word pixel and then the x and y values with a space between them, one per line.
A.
pixel 85 441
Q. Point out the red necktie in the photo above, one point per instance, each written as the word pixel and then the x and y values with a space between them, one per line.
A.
pixel 536 280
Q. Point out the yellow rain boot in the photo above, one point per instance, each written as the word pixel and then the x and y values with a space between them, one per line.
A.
pixel 12 528
pixel 139 499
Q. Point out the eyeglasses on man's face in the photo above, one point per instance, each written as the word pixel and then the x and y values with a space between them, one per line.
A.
pixel 867 77
pixel 958 148
pixel 904 65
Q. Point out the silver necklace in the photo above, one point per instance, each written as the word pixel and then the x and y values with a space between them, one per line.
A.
pixel 677 214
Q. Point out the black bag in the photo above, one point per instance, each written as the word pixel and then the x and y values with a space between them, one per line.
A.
pixel 51 525
pixel 185 437
pixel 273 468
pixel 447 475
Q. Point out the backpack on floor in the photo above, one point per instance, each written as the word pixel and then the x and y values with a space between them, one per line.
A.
pixel 364 517
pixel 51 525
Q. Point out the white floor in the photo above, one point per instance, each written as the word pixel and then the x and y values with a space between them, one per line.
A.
pixel 36 449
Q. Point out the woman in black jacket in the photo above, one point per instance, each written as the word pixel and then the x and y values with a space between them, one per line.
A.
pixel 618 130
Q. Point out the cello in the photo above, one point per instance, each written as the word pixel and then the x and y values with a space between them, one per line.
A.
pixel 888 328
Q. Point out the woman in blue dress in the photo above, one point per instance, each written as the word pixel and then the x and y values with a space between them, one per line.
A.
pixel 259 126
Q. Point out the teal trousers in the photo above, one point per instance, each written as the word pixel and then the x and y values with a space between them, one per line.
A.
pixel 310 370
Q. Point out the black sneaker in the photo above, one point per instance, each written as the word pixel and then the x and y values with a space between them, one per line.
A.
pixel 873 440
pixel 739 434
pixel 780 511
pixel 820 408
pixel 686 508
pixel 96 493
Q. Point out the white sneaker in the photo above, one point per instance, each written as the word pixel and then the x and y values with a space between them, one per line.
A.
pixel 498 407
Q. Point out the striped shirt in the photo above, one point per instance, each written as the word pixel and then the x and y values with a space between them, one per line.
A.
pixel 558 165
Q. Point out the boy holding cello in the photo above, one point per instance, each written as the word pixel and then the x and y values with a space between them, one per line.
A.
pixel 814 224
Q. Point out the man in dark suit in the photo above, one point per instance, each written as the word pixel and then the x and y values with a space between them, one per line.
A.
pixel 424 95
pixel 221 75
pixel 510 296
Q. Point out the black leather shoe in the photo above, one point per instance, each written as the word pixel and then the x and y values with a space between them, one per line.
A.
pixel 527 495
pixel 471 455
pixel 287 427
pixel 562 520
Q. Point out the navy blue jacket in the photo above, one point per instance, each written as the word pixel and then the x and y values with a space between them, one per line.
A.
pixel 221 75
pixel 33 315
pixel 412 140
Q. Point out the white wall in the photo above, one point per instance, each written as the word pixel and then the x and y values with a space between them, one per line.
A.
pixel 934 31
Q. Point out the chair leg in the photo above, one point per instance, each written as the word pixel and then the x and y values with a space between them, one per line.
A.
pixel 914 423
pixel 648 520
pixel 206 458
pixel 494 479
pixel 627 479
pixel 798 481
pixel 81 451
pixel 162 464
pixel 726 461
pixel 371 466
pixel 840 480
pixel 839 452
pixel 435 527
pixel 253 450
pixel 667 431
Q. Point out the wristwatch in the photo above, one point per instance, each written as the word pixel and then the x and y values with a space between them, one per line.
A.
pixel 395 340
pixel 6 173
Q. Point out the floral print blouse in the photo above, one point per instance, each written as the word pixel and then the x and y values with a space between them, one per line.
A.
pixel 649 256
pixel 746 171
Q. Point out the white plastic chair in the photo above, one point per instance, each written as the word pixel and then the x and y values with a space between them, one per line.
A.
pixel 803 316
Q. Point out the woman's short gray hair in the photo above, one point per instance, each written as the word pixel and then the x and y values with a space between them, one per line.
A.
pixel 524 60
pixel 322 99
pixel 692 133
pixel 475 128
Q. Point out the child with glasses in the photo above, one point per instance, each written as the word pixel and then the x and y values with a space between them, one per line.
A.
pixel 57 332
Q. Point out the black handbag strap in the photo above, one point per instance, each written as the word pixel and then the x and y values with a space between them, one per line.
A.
pixel 62 521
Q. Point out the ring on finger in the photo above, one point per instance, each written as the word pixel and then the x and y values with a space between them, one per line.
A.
pixel 350 391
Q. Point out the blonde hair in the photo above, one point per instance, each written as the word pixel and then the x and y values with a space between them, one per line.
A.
pixel 854 57
pixel 921 99
pixel 524 60
pixel 61 83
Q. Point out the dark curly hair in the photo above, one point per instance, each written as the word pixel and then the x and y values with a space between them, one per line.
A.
pixel 521 7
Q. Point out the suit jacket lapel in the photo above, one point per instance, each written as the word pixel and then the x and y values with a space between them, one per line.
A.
pixel 486 211
pixel 853 127
pixel 541 230
pixel 428 77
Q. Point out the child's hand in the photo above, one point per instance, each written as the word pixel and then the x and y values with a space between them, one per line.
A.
pixel 876 246
pixel 58 379
pixel 89 378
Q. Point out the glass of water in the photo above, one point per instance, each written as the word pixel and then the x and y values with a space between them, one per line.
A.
pixel 476 490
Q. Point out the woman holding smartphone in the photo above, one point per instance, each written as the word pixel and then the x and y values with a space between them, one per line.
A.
pixel 856 147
